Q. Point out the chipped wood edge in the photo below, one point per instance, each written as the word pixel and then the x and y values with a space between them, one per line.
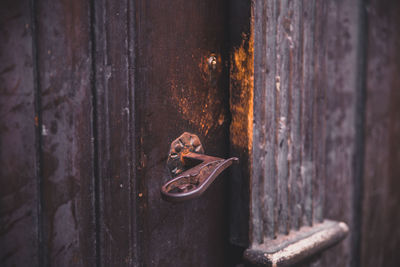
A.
pixel 299 245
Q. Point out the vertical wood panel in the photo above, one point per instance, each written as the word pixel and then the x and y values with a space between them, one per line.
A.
pixel 298 87
pixel 319 124
pixel 268 19
pixel 264 149
pixel 380 234
pixel 18 182
pixel 343 51
pixel 115 111
pixel 64 72
pixel 288 162
pixel 289 117
pixel 259 134
pixel 307 164
pixel 176 92
pixel 295 183
pixel 283 79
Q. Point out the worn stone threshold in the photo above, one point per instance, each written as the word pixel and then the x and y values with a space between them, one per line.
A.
pixel 286 250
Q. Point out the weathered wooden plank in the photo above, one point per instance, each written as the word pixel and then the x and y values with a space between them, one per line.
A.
pixel 319 125
pixel 263 202
pixel 269 53
pixel 178 91
pixel 307 163
pixel 18 182
pixel 343 51
pixel 115 90
pixel 295 183
pixel 64 75
pixel 270 185
pixel 285 93
pixel 258 177
pixel 282 112
pixel 380 233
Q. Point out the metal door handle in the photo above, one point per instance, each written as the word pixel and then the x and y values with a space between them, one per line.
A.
pixel 194 171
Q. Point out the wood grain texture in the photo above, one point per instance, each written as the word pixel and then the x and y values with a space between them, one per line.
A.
pixel 267 87
pixel 114 30
pixel 19 237
pixel 282 87
pixel 87 105
pixel 319 119
pixel 177 91
pixel 289 106
pixel 93 92
pixel 307 111
pixel 259 222
pixel 67 186
pixel 241 108
pixel 380 234
pixel 343 52
pixel 295 182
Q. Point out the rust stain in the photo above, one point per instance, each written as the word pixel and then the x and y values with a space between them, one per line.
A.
pixel 241 94
pixel 199 100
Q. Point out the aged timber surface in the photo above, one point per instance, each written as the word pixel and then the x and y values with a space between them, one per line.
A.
pixel 176 91
pixel 342 54
pixel 300 147
pixel 114 30
pixel 93 92
pixel 287 185
pixel 18 182
pixel 78 193
pixel 63 65
pixel 380 232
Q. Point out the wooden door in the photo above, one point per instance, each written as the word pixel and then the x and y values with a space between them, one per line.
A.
pixel 93 93
pixel 178 89
pixel 305 93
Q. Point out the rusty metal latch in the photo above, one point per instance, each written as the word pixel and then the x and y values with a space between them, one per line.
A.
pixel 194 172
